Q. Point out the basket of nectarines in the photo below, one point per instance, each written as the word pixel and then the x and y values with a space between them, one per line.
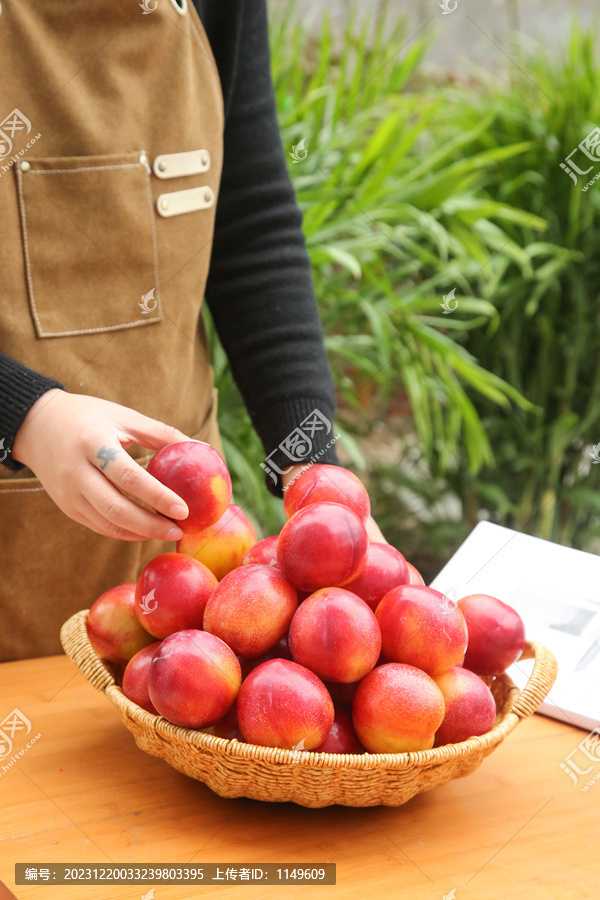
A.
pixel 314 666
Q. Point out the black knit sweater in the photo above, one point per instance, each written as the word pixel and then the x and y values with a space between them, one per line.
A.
pixel 259 288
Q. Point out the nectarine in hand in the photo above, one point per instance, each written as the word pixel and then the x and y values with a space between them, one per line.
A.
pixel 197 473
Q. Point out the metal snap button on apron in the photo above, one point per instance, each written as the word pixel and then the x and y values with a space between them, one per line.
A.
pixel 179 202
pixel 174 165
pixel 180 6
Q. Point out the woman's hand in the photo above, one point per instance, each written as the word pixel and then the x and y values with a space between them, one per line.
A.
pixel 373 531
pixel 76 446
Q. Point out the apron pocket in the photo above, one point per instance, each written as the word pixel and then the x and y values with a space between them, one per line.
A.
pixel 89 243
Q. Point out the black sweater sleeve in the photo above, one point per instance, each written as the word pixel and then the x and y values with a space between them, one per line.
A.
pixel 259 287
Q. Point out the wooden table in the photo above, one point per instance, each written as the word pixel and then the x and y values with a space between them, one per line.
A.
pixel 517 827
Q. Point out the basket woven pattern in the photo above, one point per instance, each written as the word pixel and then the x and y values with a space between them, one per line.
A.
pixel 233 769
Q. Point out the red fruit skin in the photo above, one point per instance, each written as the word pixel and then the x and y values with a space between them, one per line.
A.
pixel 221 546
pixel 414 576
pixel 384 569
pixel 335 634
pixel 322 545
pixel 181 586
pixel 228 727
pixel 342 737
pixel 263 553
pixel 496 634
pixel 135 677
pixel 397 709
pixel 332 484
pixel 194 679
pixel 281 650
pixel 282 704
pixel 422 628
pixel 113 628
pixel 251 609
pixel 469 703
pixel 342 694
pixel 197 473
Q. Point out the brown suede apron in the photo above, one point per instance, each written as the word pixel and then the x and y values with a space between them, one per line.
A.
pixel 111 129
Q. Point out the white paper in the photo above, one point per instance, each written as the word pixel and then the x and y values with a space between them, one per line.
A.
pixel 556 591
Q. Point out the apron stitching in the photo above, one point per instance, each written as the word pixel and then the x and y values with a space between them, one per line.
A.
pixel 133 324
pixel 154 244
pixel 103 328
pixel 81 169
pixel 40 330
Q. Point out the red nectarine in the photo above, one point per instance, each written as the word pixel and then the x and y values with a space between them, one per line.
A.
pixel 282 704
pixel 171 594
pixel 113 628
pixel 332 484
pixel 397 709
pixel 335 634
pixel 322 545
pixel 197 473
pixel 421 627
pixel 194 678
pixel 251 609
pixel 221 547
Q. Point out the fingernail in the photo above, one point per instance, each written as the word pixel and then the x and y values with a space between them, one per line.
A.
pixel 179 511
pixel 174 534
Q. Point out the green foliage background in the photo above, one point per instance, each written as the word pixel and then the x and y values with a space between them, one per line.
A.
pixel 412 187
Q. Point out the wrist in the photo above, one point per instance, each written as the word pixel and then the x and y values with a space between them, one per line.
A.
pixel 26 433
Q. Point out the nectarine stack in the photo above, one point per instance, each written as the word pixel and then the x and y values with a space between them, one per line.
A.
pixel 316 639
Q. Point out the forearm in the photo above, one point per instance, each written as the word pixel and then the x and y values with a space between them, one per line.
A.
pixel 20 388
pixel 260 289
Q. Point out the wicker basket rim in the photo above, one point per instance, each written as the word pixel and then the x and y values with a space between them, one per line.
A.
pixel 517 705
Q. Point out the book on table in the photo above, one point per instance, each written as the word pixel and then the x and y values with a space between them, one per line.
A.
pixel 556 591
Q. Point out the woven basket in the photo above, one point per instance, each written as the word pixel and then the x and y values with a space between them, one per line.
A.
pixel 233 769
